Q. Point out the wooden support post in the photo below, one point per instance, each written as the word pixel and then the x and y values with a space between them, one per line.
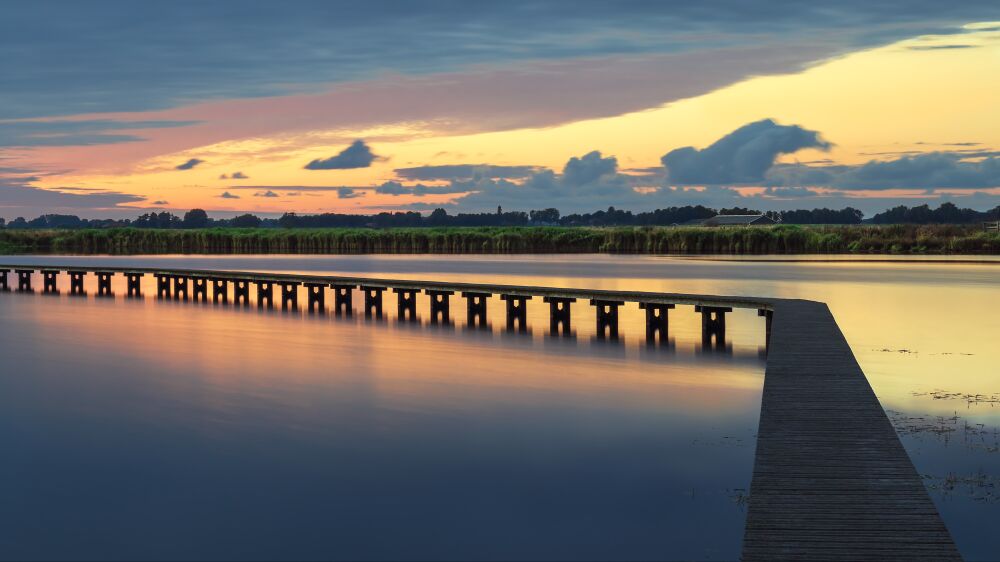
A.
pixel 181 287
pixel 162 285
pixel 476 305
pixel 49 281
pixel 24 279
pixel 713 324
pixel 265 293
pixel 607 318
pixel 517 312
pixel 241 292
pixel 199 288
pixel 657 323
pixel 3 280
pixel 316 294
pixel 76 282
pixel 342 295
pixel 768 316
pixel 289 295
pixel 559 315
pixel 406 304
pixel 373 301
pixel 104 283
pixel 220 290
pixel 134 283
pixel 440 306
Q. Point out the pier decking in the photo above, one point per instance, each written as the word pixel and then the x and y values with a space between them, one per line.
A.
pixel 831 479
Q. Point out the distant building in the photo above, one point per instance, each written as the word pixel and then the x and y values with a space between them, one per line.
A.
pixel 738 220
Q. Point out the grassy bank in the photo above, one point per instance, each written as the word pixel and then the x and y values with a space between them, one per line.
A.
pixel 783 239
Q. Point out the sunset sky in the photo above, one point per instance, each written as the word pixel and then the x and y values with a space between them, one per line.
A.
pixel 112 109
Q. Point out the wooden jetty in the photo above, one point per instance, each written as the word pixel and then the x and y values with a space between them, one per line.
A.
pixel 831 480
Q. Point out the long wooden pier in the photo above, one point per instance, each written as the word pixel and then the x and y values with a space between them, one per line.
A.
pixel 831 480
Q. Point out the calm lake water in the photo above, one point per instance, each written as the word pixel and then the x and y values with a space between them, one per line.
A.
pixel 139 429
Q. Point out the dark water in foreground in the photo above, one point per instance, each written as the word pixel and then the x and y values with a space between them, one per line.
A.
pixel 151 429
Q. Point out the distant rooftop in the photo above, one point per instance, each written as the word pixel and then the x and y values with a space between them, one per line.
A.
pixel 737 220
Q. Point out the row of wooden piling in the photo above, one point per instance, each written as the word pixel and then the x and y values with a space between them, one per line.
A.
pixel 204 287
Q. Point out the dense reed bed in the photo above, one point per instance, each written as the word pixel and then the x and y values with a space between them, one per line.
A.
pixel 782 239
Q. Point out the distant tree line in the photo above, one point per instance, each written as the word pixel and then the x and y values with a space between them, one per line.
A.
pixel 947 213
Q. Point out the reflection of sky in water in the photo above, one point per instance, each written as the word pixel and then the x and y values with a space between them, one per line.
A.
pixel 137 429
pixel 453 443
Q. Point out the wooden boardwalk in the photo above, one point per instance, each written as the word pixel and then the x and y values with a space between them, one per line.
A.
pixel 831 479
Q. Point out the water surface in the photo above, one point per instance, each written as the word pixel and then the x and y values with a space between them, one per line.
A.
pixel 255 434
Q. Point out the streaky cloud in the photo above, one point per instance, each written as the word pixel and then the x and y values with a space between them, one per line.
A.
pixel 464 172
pixel 191 163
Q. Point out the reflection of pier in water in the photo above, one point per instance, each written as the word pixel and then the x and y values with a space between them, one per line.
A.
pixel 831 479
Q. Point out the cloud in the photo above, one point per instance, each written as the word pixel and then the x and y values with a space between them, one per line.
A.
pixel 358 155
pixel 223 177
pixel 161 202
pixel 931 170
pixel 464 171
pixel 349 193
pixel 227 195
pixel 790 192
pixel 591 167
pixel 939 47
pixel 267 193
pixel 189 164
pixel 239 176
pixel 164 58
pixel 419 190
pixel 16 197
pixel 77 132
pixel 743 156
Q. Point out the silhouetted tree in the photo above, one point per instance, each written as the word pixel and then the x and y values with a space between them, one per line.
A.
pixel 246 221
pixel 195 218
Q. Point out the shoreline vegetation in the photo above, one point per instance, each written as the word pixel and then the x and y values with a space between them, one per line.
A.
pixel 757 240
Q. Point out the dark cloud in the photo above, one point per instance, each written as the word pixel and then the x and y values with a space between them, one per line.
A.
pixel 358 155
pixel 939 47
pixel 288 187
pixel 420 190
pixel 464 172
pixel 741 157
pixel 227 195
pixel 239 176
pixel 189 164
pixel 932 170
pixel 267 193
pixel 588 169
pixel 349 193
pixel 790 192
pixel 76 132
pixel 18 198
pixel 158 56
pixel 161 202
